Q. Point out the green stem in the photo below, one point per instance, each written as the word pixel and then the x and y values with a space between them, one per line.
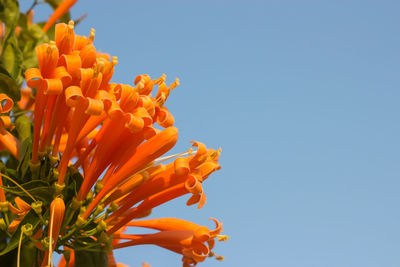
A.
pixel 6 218
pixel 70 233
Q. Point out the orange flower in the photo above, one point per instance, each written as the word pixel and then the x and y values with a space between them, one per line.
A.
pixel 192 241
pixel 103 127
pixel 22 209
pixel 49 80
pixel 27 101
pixel 57 209
pixel 145 153
pixel 183 176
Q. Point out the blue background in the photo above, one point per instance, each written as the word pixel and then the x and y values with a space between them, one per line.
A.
pixel 303 97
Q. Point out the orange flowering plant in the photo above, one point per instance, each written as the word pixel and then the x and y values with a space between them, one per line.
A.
pixel 83 158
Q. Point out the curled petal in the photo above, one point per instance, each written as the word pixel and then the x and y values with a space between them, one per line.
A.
pixel 106 98
pixel 202 234
pixel 127 95
pixel 33 77
pixel 5 122
pixel 193 200
pixel 201 199
pixel 94 107
pixel 200 156
pixel 6 103
pixel 193 185
pixel 218 227
pixel 14 225
pixel 85 76
pixel 115 112
pixel 199 254
pixel 88 56
pixel 181 166
pixel 207 168
pixel 148 103
pixel 62 74
pixel 134 124
pixel 144 115
pixel 147 82
pixel 72 95
pixel 23 207
pixel 165 118
pixel 72 63
pixel 211 243
pixel 52 86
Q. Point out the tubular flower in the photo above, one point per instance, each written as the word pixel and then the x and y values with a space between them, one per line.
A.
pixel 57 209
pixel 96 158
pixel 22 209
pixel 193 241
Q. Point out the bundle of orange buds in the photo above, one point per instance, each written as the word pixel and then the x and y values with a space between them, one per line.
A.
pixel 84 159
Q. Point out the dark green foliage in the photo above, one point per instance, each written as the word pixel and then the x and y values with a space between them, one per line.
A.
pixel 8 85
pixel 86 258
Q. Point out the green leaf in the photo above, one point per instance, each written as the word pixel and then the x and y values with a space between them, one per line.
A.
pixel 37 188
pixel 23 125
pixel 8 85
pixel 32 218
pixel 89 258
pixel 9 12
pixel 11 58
pixel 25 156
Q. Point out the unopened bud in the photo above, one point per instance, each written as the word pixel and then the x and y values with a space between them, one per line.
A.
pixel 37 206
pixel 4 206
pixel 27 229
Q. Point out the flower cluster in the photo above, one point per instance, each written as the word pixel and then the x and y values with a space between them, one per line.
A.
pixel 100 145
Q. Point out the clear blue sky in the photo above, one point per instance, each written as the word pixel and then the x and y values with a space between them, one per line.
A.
pixel 303 97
